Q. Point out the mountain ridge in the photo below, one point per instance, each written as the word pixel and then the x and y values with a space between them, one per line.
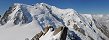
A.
pixel 45 22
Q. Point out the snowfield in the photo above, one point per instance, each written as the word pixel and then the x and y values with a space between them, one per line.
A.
pixel 45 22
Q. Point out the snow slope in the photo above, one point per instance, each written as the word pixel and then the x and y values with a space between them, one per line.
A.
pixel 23 22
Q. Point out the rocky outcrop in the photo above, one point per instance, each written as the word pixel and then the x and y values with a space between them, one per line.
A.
pixel 79 29
pixel 47 28
pixel 66 23
pixel 37 36
pixel 56 31
pixel 64 33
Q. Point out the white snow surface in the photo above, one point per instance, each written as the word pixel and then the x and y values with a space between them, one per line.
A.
pixel 41 16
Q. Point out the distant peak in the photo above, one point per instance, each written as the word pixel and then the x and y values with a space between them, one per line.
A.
pixel 16 3
pixel 44 3
pixel 41 4
pixel 19 4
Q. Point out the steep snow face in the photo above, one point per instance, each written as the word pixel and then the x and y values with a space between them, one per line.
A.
pixel 23 22
pixel 102 23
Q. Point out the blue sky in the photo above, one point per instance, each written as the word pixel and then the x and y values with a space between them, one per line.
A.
pixel 81 6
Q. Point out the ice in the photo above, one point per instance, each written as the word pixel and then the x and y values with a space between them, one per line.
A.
pixel 34 18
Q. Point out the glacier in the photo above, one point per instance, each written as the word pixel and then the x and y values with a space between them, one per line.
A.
pixel 45 22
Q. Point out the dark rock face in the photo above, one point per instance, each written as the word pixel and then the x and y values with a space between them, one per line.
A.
pixel 75 27
pixel 0 16
pixel 90 38
pixel 64 33
pixel 57 30
pixel 37 36
pixel 79 29
pixel 46 29
pixel 62 29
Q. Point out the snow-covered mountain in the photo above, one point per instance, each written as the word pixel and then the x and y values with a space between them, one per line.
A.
pixel 45 22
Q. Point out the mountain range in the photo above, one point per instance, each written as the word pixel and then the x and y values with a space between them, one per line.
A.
pixel 45 22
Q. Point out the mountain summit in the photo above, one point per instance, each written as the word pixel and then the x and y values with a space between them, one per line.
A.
pixel 45 22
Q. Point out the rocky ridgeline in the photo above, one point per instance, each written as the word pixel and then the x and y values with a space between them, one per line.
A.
pixel 65 24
